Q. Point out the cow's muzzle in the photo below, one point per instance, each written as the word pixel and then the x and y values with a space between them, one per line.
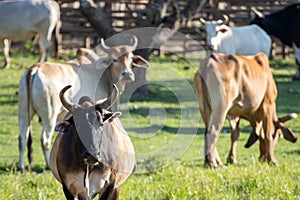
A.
pixel 128 76
pixel 89 159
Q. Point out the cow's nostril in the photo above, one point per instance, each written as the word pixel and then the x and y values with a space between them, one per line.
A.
pixel 210 47
pixel 123 73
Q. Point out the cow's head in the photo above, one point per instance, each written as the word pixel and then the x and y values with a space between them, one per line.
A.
pixel 121 61
pixel 86 120
pixel 280 129
pixel 212 29
pixel 258 17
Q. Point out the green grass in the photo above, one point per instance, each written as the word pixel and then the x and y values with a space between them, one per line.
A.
pixel 167 133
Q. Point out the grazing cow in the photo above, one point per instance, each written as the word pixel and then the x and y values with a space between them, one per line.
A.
pixel 40 86
pixel 92 154
pixel 243 40
pixel 285 25
pixel 21 20
pixel 237 87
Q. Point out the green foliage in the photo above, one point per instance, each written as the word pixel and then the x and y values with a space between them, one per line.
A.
pixel 167 133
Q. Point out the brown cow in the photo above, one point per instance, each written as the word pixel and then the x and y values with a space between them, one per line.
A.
pixel 92 154
pixel 239 87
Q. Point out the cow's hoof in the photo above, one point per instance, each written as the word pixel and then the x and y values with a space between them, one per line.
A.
pixel 213 164
pixel 231 161
pixel 295 78
pixel 273 163
pixel 21 169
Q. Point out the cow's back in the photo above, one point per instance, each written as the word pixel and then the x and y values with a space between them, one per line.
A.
pixel 283 24
pixel 244 40
pixel 240 82
pixel 44 81
pixel 46 85
pixel 21 20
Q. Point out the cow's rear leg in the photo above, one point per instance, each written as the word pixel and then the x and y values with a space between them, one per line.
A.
pixel 45 46
pixel 24 115
pixel 235 133
pixel 212 157
pixel 6 53
pixel 47 133
pixel 297 56
pixel 23 137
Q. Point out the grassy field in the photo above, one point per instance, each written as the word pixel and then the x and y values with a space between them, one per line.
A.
pixel 167 133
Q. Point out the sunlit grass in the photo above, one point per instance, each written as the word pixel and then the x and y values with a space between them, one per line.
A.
pixel 167 133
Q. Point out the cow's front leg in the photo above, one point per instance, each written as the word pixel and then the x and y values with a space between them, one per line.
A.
pixel 266 148
pixel 270 150
pixel 262 150
pixel 235 133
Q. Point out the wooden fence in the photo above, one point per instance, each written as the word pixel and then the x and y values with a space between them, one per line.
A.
pixel 77 32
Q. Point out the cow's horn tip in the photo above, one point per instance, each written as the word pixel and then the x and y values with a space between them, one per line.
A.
pixel 293 115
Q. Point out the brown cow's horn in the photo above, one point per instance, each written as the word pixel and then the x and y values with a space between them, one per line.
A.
pixel 104 47
pixel 111 100
pixel 65 102
pixel 135 43
pixel 287 117
pixel 252 139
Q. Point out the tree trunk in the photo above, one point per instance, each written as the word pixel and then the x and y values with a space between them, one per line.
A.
pixel 97 17
pixel 158 13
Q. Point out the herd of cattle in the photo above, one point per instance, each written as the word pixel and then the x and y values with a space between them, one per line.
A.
pixel 93 154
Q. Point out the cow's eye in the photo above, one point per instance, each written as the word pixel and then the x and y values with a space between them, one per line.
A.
pixel 115 60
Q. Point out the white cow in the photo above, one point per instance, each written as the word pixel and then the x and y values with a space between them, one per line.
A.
pixel 22 20
pixel 243 40
pixel 92 76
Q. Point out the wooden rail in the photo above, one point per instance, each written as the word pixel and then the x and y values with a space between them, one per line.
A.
pixel 77 32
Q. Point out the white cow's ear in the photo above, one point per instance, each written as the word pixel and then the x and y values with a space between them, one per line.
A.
pixel 223 30
pixel 62 126
pixel 103 63
pixel 139 61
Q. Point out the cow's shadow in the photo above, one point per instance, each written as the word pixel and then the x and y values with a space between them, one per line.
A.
pixel 12 167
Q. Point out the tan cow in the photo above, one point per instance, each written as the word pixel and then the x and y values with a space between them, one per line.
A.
pixel 239 87
pixel 90 76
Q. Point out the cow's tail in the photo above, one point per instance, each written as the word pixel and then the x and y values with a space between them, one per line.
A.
pixel 29 147
pixel 57 40
pixel 29 77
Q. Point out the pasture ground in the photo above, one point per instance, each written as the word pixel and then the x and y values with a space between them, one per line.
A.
pixel 167 133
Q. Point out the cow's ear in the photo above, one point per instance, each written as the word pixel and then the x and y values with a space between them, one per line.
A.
pixel 109 117
pixel 139 61
pixel 223 30
pixel 62 126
